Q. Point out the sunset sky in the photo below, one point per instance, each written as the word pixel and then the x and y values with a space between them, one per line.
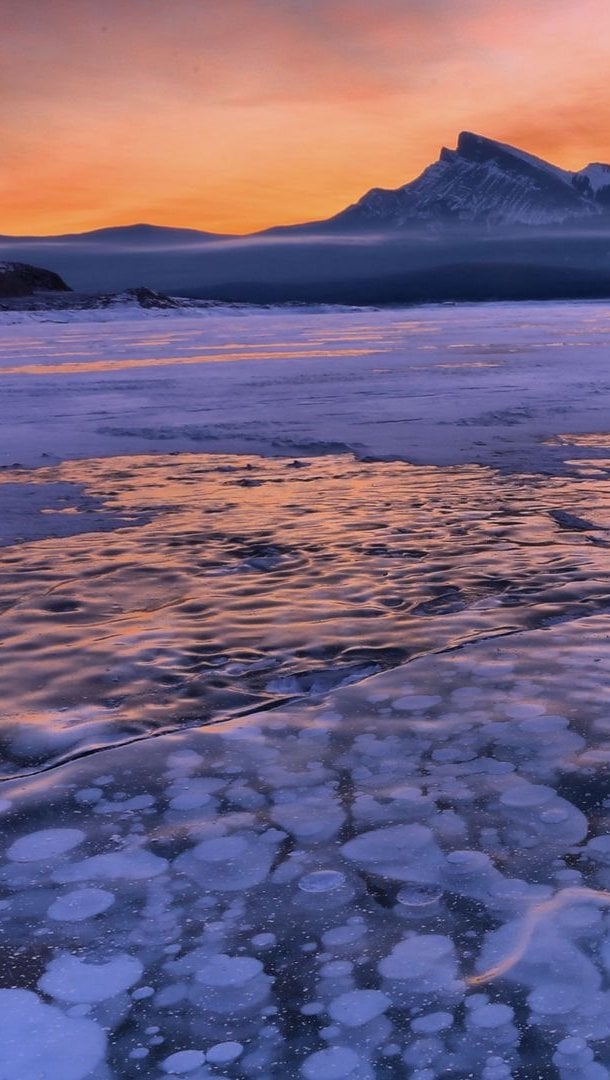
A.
pixel 232 115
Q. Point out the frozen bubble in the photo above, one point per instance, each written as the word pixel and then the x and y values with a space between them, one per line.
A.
pixel 391 1050
pixel 343 935
pixel 401 852
pixel 264 941
pixel 514 890
pixel 39 1040
pixel 572 1047
pixel 223 970
pixel 419 896
pixel 80 904
pixel 331 1064
pixel 432 1023
pixel 138 802
pixel 184 1061
pixel 425 961
pixel 223 1053
pixel 600 846
pixel 44 844
pixel 71 980
pixel 191 796
pixel 330 1032
pixel 491 1016
pixel 406 793
pixel 542 725
pixel 310 817
pixel 357 1007
pixel 89 795
pixel 142 993
pixel 416 702
pixel 336 968
pixel 467 861
pixel 476 1001
pixel 184 759
pixel 127 865
pixel 554 815
pixel 233 863
pixel 522 794
pixel 555 998
pixel 523 710
pixel 322 881
pixel 453 755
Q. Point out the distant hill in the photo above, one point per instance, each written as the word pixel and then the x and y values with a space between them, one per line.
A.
pixel 128 235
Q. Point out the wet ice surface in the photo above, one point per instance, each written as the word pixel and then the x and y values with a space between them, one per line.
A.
pixel 234 583
pixel 409 879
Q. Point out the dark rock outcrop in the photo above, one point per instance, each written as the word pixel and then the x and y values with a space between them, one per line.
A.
pixel 21 279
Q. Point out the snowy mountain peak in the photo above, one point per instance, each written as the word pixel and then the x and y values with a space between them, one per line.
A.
pixel 485 182
pixel 596 178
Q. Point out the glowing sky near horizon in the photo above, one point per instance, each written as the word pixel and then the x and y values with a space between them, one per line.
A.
pixel 233 115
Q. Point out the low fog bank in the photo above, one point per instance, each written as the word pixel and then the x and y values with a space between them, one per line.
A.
pixel 353 269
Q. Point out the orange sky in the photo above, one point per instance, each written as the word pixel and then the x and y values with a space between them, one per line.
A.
pixel 232 115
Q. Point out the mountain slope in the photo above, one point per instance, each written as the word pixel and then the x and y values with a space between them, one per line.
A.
pixel 483 182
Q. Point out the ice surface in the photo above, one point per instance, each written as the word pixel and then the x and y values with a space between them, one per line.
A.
pixel 80 904
pixel 39 1042
pixel 45 844
pixel 72 980
pixel 223 1053
pixel 401 852
pixel 332 1064
pixel 429 931
pixel 133 865
pixel 357 1007
pixel 410 876
pixel 184 1061
pixel 418 363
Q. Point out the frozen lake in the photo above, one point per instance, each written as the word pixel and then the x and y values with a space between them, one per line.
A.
pixel 435 385
pixel 305 622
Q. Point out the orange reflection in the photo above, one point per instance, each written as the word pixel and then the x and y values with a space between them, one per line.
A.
pixel 160 361
pixel 563 898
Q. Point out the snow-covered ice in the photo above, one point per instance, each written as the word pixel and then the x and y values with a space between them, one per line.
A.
pixel 484 383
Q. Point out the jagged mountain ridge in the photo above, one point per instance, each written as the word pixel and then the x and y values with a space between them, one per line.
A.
pixel 484 182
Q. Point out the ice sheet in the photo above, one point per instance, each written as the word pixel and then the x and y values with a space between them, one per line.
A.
pixel 237 944
pixel 434 385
